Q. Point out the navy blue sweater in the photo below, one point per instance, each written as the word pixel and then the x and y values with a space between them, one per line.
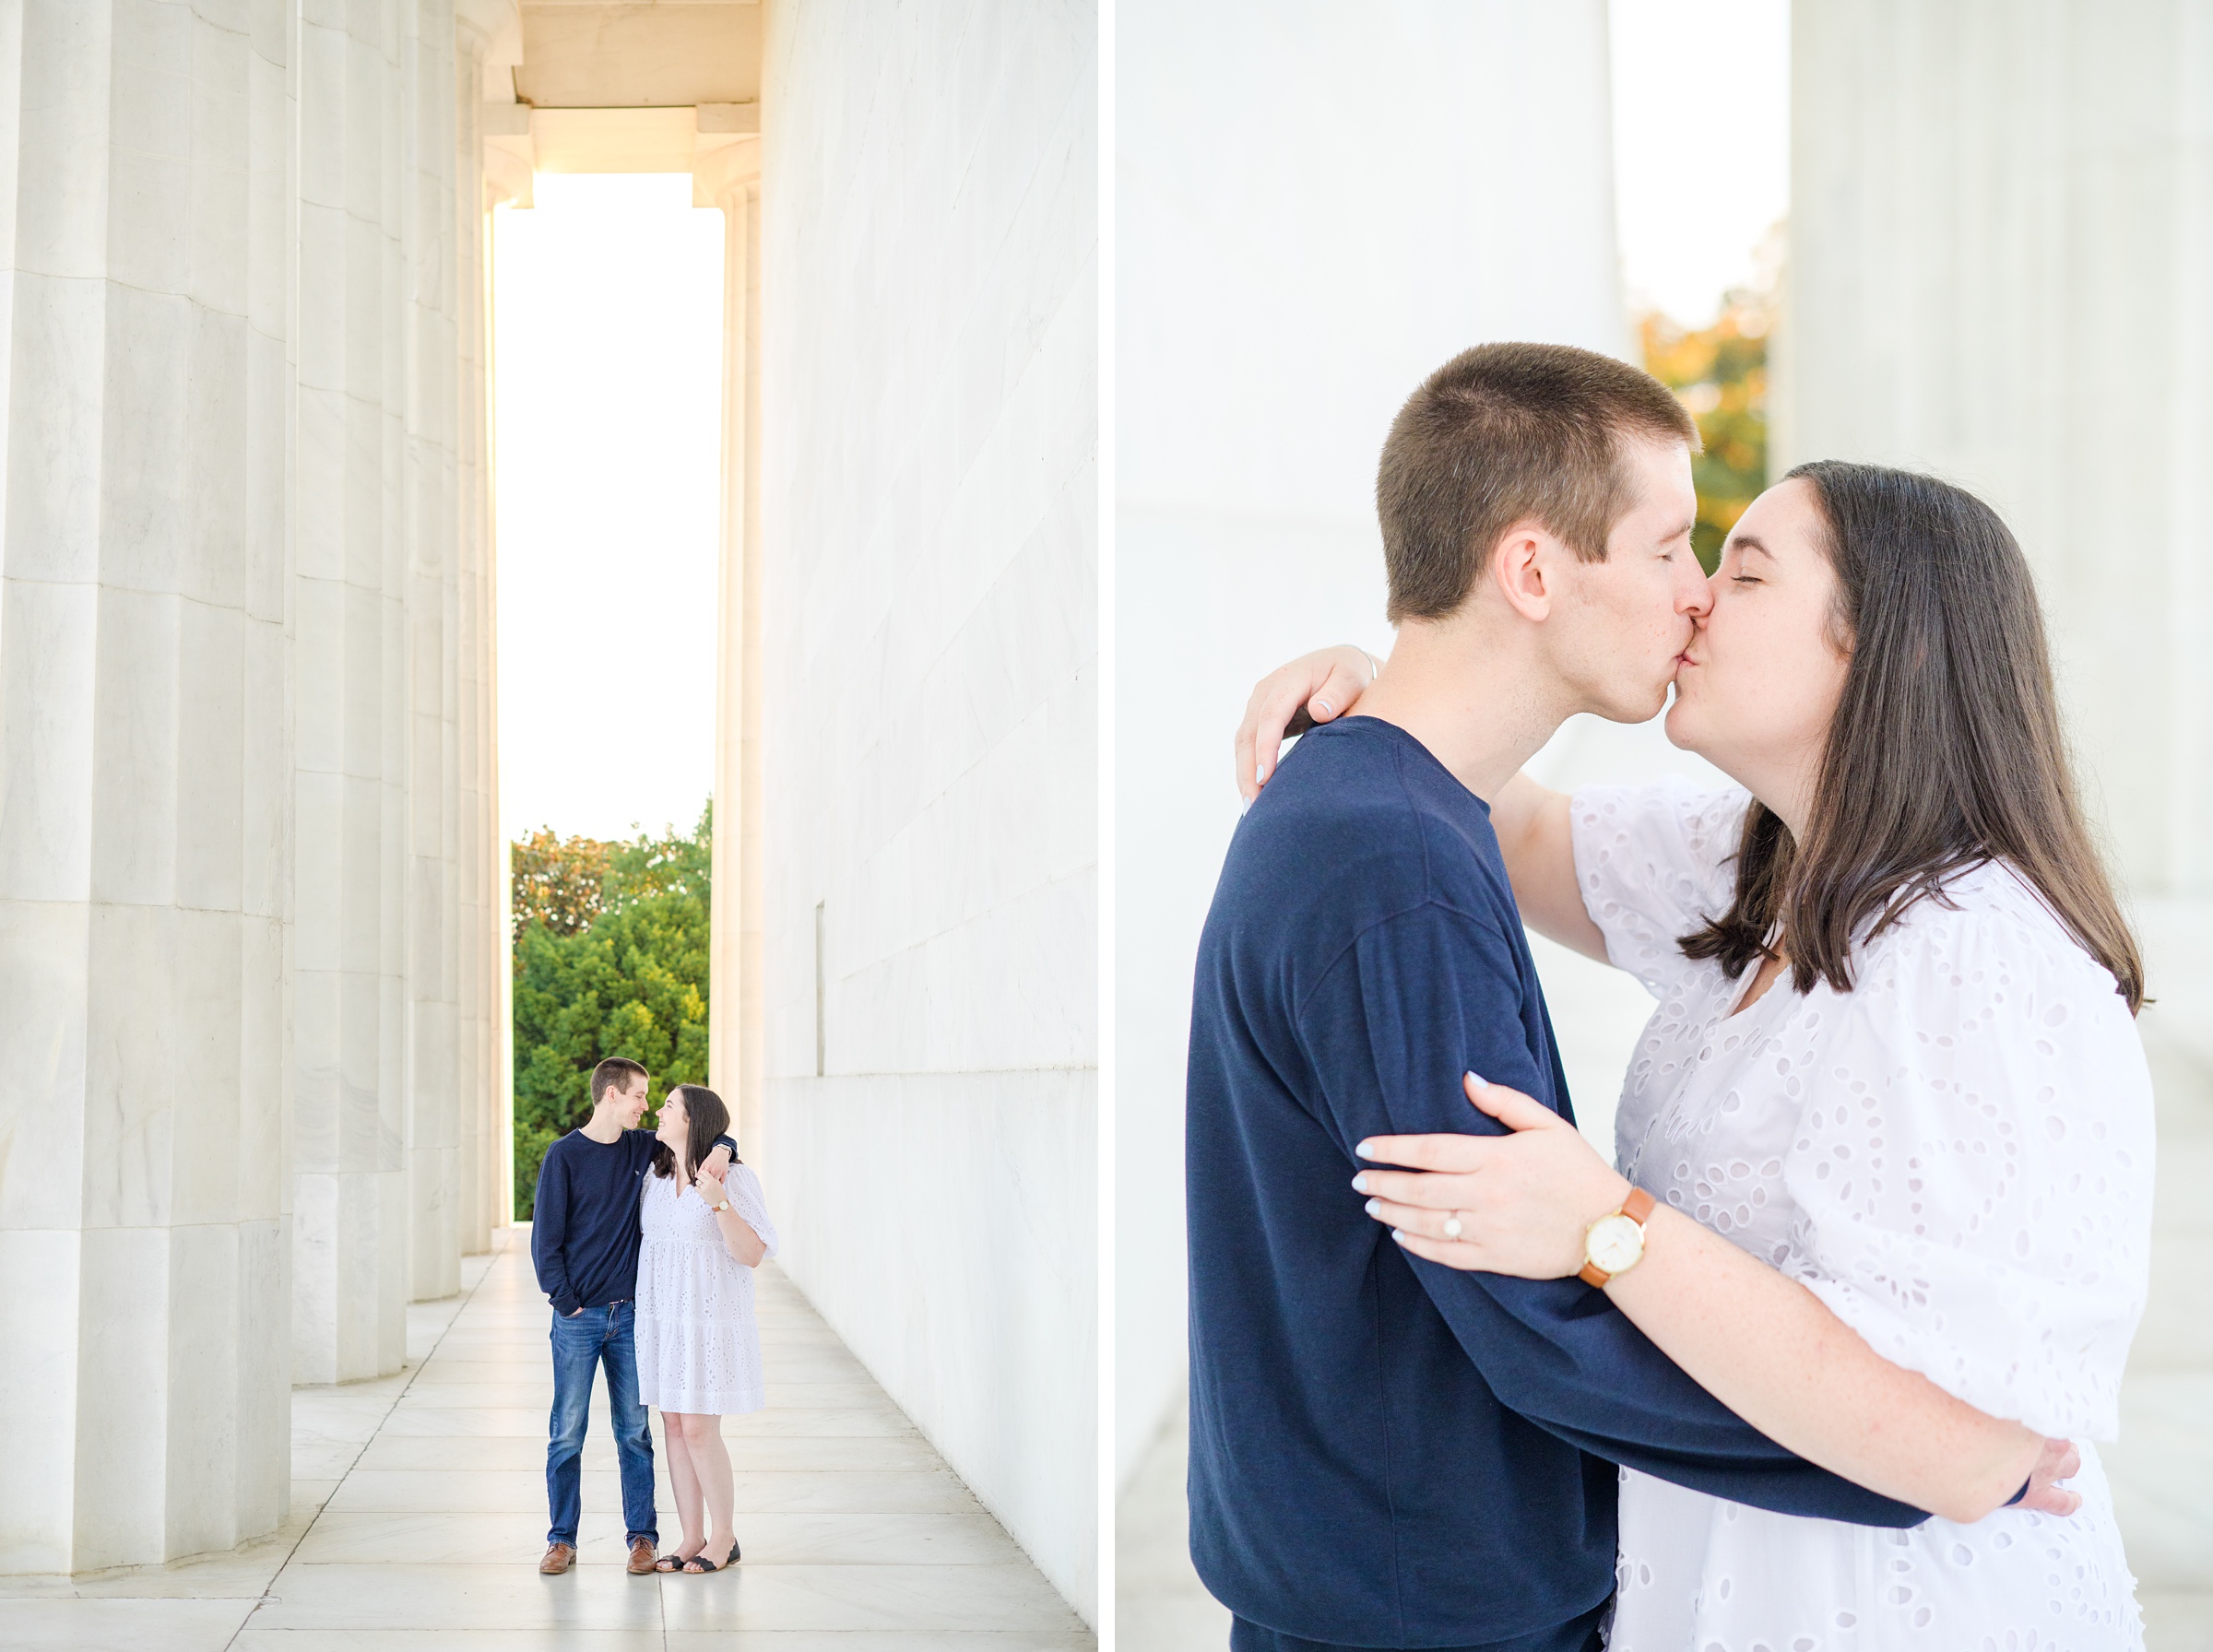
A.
pixel 583 1227
pixel 1386 1452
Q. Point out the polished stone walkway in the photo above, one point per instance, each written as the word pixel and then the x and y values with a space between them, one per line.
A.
pixel 418 1514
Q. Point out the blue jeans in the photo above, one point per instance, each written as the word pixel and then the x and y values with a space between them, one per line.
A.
pixel 598 1336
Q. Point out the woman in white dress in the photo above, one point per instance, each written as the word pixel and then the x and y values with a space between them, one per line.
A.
pixel 1893 1083
pixel 698 1344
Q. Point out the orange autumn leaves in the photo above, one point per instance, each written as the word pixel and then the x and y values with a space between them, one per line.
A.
pixel 1720 373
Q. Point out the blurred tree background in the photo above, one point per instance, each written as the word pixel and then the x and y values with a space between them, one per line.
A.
pixel 611 959
pixel 1721 374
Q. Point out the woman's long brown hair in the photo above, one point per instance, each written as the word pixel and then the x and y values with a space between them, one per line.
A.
pixel 1945 750
pixel 706 1118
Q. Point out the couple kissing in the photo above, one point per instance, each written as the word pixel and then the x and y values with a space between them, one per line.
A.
pixel 1814 1364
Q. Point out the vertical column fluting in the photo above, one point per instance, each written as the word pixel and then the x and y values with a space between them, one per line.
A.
pixel 146 752
pixel 349 1233
pixel 430 505
pixel 481 1156
pixel 500 187
pixel 728 175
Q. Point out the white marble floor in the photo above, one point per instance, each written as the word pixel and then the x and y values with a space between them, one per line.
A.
pixel 419 1513
pixel 1160 1605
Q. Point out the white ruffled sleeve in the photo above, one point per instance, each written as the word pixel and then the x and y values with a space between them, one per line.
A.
pixel 744 1188
pixel 1655 862
pixel 1973 1167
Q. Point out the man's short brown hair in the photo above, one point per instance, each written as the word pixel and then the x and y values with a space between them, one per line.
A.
pixel 614 1073
pixel 1506 433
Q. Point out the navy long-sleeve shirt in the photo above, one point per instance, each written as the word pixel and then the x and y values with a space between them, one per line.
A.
pixel 1386 1452
pixel 583 1227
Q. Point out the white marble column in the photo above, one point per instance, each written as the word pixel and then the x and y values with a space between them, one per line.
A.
pixel 349 1229
pixel 483 1158
pixel 431 505
pixel 2001 252
pixel 727 174
pixel 508 176
pixel 145 799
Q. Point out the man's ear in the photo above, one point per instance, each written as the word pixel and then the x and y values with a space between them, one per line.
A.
pixel 1519 565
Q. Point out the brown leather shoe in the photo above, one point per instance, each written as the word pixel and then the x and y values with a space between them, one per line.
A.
pixel 641 1559
pixel 559 1557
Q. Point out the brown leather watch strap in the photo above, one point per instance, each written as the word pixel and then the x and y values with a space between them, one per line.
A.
pixel 1637 1207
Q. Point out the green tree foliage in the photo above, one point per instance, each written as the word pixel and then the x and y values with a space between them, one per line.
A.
pixel 560 882
pixel 1721 374
pixel 674 864
pixel 631 980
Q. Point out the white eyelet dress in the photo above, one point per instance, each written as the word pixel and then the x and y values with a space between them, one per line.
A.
pixel 1957 1158
pixel 698 1342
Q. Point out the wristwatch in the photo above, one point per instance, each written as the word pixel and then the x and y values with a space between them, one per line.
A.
pixel 1615 1243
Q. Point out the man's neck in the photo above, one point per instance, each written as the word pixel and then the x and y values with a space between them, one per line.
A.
pixel 1477 696
pixel 604 1126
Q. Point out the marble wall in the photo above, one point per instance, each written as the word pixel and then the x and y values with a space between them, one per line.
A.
pixel 2001 248
pixel 930 588
pixel 249 897
pixel 1302 241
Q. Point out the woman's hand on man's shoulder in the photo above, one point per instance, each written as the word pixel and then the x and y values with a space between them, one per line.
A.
pixel 1322 685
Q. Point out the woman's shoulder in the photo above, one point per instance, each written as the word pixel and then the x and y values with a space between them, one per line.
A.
pixel 1703 820
pixel 1990 913
pixel 1652 864
pixel 1986 946
pixel 1668 846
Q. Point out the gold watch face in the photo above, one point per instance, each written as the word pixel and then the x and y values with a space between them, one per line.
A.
pixel 1616 1243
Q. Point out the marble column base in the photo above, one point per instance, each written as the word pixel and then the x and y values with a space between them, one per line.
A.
pixel 134 1432
pixel 349 1295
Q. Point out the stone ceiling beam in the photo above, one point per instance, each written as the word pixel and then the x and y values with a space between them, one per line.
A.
pixel 584 56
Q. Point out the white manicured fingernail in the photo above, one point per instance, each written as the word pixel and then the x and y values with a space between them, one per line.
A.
pixel 1360 1183
pixel 1326 709
pixel 1373 1206
pixel 1362 1150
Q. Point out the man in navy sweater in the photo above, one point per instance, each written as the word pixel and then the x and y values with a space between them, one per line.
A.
pixel 584 1241
pixel 1386 1453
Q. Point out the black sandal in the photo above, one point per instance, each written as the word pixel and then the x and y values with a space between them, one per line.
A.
pixel 669 1563
pixel 699 1564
